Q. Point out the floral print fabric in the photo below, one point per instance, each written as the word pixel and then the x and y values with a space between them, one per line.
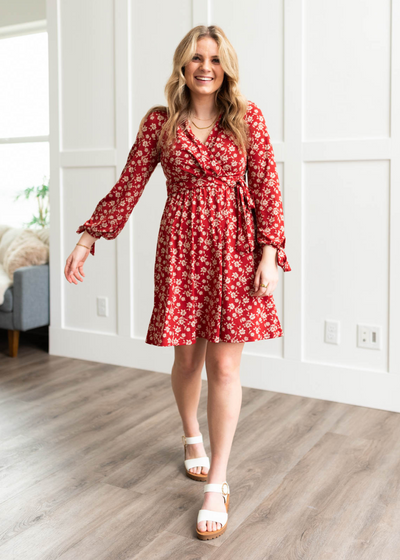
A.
pixel 211 234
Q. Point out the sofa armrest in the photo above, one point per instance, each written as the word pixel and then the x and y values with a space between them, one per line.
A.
pixel 31 297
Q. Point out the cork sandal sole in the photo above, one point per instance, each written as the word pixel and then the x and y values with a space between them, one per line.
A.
pixel 208 535
pixel 197 476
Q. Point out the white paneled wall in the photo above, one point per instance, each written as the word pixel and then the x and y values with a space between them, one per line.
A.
pixel 346 69
pixel 346 258
pixel 87 111
pixel 327 77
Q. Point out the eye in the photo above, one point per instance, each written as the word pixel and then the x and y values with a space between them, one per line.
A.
pixel 214 60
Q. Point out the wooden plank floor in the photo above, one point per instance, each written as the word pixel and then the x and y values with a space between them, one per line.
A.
pixel 91 467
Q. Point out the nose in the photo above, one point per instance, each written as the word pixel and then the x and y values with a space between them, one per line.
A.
pixel 205 65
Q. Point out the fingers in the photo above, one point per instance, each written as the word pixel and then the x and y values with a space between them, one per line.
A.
pixel 256 290
pixel 68 274
pixel 78 272
pixel 260 291
pixel 74 272
pixel 71 278
pixel 265 281
pixel 67 268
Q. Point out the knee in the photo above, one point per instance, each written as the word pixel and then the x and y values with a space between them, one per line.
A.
pixel 187 367
pixel 222 371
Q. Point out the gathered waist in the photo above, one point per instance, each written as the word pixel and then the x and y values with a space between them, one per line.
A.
pixel 204 182
pixel 245 237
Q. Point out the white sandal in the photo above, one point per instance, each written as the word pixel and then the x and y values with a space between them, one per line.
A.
pixel 197 461
pixel 218 516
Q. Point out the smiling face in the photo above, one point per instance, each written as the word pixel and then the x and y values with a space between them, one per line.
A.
pixel 204 74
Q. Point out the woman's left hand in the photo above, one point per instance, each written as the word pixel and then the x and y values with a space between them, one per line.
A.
pixel 267 274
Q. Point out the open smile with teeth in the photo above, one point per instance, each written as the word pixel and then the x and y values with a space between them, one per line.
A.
pixel 203 79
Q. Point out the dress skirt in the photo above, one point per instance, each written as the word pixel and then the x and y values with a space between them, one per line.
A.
pixel 201 281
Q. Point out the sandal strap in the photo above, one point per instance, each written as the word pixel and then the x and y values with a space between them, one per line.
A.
pixel 192 439
pixel 197 462
pixel 222 488
pixel 208 515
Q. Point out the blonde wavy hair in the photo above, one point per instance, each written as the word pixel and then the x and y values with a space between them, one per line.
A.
pixel 228 99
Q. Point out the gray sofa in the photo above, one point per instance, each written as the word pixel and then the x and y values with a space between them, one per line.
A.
pixel 26 303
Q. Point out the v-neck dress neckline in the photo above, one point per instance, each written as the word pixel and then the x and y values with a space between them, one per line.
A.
pixel 209 137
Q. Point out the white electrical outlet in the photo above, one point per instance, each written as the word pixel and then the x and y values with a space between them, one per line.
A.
pixel 369 336
pixel 102 306
pixel 332 332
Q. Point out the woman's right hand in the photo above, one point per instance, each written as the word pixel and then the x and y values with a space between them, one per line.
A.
pixel 74 265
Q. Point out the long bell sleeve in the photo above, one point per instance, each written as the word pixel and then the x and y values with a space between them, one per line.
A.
pixel 114 209
pixel 264 187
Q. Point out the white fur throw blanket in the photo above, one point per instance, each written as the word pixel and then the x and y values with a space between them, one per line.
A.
pixel 20 247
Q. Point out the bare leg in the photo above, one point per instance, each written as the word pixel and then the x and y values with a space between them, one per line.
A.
pixel 186 385
pixel 223 410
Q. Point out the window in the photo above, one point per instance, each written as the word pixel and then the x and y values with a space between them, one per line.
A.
pixel 24 123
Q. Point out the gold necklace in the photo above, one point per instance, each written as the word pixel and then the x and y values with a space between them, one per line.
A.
pixel 203 127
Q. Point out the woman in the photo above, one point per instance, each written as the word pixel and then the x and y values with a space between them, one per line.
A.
pixel 218 239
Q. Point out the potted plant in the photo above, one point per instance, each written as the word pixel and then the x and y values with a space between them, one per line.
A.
pixel 41 192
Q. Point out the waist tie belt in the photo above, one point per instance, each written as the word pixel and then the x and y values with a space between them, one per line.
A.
pixel 245 235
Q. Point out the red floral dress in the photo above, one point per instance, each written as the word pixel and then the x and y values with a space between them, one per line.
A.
pixel 211 233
